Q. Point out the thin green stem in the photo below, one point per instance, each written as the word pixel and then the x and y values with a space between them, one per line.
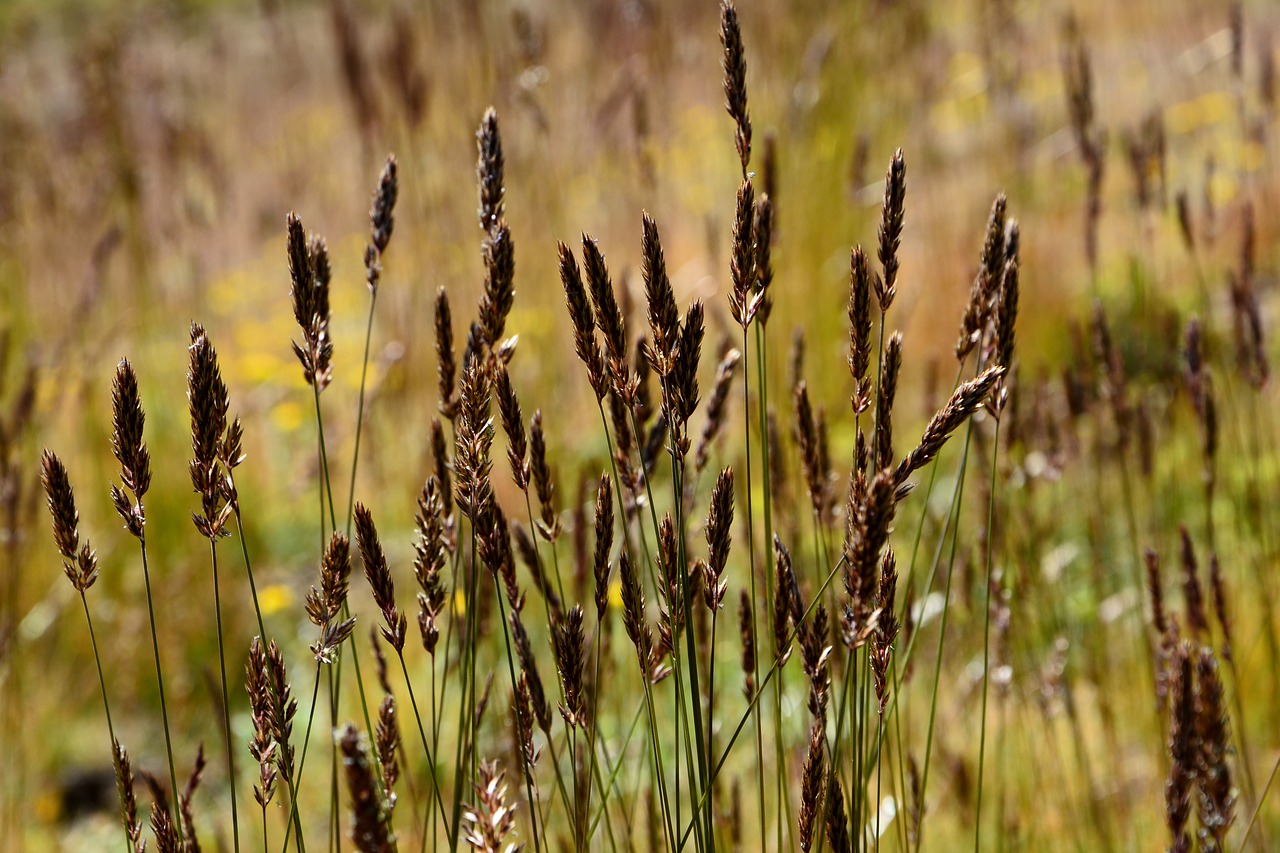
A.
pixel 226 696
pixel 986 636
pixel 106 706
pixel 164 710
pixel 751 575
pixel 294 820
pixel 431 760
pixel 364 372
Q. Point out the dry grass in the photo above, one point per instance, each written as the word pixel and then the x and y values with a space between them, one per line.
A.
pixel 988 652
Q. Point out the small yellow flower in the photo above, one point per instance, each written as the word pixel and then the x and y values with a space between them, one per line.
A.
pixel 274 597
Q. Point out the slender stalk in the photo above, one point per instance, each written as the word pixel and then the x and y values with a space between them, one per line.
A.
pixel 106 706
pixel 511 671
pixel 364 372
pixel 956 503
pixel 986 637
pixel 431 761
pixel 751 575
pixel 294 821
pixel 155 649
pixel 1257 810
pixel 226 696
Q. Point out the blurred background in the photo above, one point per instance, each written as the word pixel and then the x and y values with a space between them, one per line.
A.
pixel 150 151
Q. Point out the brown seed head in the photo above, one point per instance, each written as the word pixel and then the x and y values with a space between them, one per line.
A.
pixel 735 81
pixel 569 641
pixel 604 544
pixel 370 816
pixel 381 218
pixel 859 328
pixel 378 574
pixel 716 404
pixel 890 232
pixel 489 167
pixel 742 297
pixel 584 329
pixel 664 317
pixel 890 364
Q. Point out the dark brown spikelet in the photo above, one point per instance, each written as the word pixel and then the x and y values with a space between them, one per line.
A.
pixel 370 818
pixel 806 433
pixel 1155 590
pixel 378 574
pixel 528 551
pixel 513 426
pixel 735 81
pixel 381 213
pixel 79 563
pixel 387 742
pixel 762 228
pixel 871 531
pixel 430 557
pixel 664 316
pixel 324 605
pixel 168 839
pixel 604 544
pixel 492 819
pixel 190 843
pixel 747 636
pixel 310 273
pixel 890 233
pixel 1182 750
pixel 815 651
pixel 811 786
pixel 837 820
pixel 859 329
pixel 1216 801
pixel 208 403
pixel 489 168
pixel 642 402
pixel 446 366
pixel 890 364
pixel 584 324
pixel 986 282
pixel 966 400
pixel 524 720
pixel 782 610
pixel 633 615
pixel 529 670
pixel 474 438
pixel 544 485
pixel 682 386
pixel 716 404
pixel 444 479
pixel 499 285
pixel 742 297
pixel 128 797
pixel 127 421
pixel 1197 620
pixel 569 640
pixel 283 708
pixel 262 745
pixel 608 316
pixel 719 536
pixel 1218 586
pixel 1006 316
pixel 886 628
